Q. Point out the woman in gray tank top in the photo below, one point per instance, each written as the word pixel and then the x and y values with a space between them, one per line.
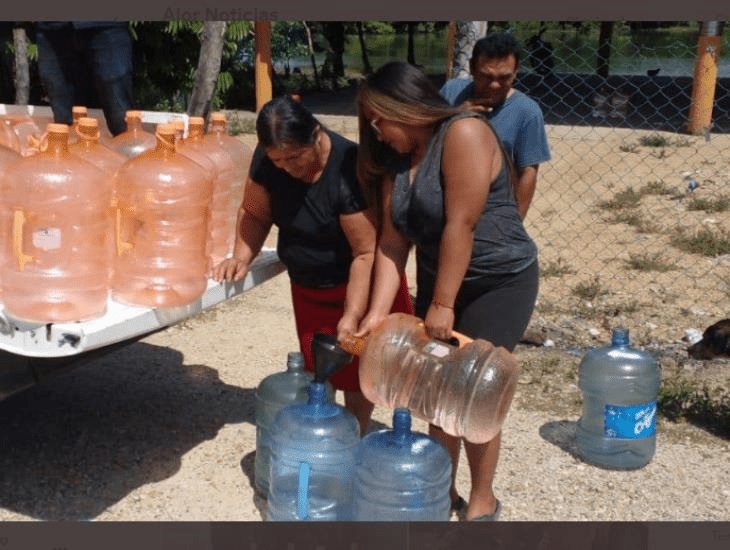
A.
pixel 444 184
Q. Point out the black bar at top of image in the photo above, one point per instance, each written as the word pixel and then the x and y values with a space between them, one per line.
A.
pixel 424 10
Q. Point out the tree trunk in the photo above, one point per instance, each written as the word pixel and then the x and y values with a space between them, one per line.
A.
pixel 22 71
pixel 411 52
pixel 310 45
pixel 366 67
pixel 467 33
pixel 335 35
pixel 209 66
pixel 604 48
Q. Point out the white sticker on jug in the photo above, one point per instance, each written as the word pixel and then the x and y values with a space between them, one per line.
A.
pixel 436 349
pixel 48 238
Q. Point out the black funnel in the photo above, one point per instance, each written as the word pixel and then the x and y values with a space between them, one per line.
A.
pixel 328 356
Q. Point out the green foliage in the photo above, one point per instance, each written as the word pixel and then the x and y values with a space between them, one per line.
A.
pixel 679 399
pixel 719 204
pixel 648 262
pixel 704 242
pixel 653 140
pixel 628 198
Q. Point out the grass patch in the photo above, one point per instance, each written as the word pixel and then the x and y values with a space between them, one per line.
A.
pixel 704 242
pixel 589 290
pixel 556 268
pixel 635 220
pixel 629 148
pixel 656 188
pixel 628 198
pixel 683 142
pixel 680 400
pixel 648 262
pixel 653 140
pixel 660 154
pixel 719 204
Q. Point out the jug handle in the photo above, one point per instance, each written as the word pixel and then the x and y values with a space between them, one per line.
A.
pixel 458 340
pixel 18 223
pixel 122 246
pixel 303 490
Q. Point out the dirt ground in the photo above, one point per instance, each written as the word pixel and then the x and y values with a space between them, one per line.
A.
pixel 164 429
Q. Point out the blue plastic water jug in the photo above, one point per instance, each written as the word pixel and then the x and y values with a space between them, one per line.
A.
pixel 275 392
pixel 312 460
pixel 401 475
pixel 620 385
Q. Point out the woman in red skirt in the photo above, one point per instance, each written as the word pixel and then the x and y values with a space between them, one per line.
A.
pixel 303 180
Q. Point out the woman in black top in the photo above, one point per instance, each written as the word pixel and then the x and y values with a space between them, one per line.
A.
pixel 303 179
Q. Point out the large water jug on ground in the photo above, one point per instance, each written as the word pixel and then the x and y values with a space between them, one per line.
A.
pixel 56 211
pixel 275 392
pixel 466 390
pixel 401 475
pixel 241 155
pixel 620 385
pixel 221 231
pixel 8 137
pixel 162 201
pixel 135 139
pixel 88 148
pixel 312 460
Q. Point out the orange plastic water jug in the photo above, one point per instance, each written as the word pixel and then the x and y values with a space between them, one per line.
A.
pixel 7 157
pixel 221 231
pixel 88 148
pixel 57 214
pixel 134 140
pixel 8 137
pixel 162 200
pixel 465 389
pixel 241 155
pixel 28 131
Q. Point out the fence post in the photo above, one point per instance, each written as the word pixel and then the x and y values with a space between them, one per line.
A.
pixel 705 78
pixel 262 82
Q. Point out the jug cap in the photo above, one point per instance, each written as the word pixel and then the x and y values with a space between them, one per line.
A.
pixel 133 114
pixel 196 121
pixel 88 122
pixel 79 109
pixel 218 117
pixel 165 129
pixel 295 360
pixel 620 337
pixel 178 123
pixel 57 128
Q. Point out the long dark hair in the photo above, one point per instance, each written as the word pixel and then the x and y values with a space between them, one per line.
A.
pixel 397 91
pixel 284 122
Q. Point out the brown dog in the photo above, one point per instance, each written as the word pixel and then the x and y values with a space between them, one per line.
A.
pixel 715 342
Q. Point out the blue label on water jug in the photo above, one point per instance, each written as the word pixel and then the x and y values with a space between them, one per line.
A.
pixel 630 421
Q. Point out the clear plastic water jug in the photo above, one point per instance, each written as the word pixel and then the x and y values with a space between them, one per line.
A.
pixel 401 475
pixel 135 139
pixel 221 231
pixel 465 390
pixel 275 392
pixel 620 385
pixel 162 201
pixel 88 148
pixel 241 155
pixel 312 461
pixel 56 211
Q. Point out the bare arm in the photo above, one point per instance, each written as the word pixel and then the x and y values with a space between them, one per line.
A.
pixel 471 160
pixel 359 229
pixel 526 183
pixel 253 224
pixel 391 256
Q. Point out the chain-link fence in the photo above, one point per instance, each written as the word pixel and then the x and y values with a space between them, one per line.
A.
pixel 632 214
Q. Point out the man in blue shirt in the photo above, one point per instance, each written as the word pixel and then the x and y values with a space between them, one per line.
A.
pixel 516 118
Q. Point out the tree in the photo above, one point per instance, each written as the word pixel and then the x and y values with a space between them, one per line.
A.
pixel 334 32
pixel 465 36
pixel 411 33
pixel 366 67
pixel 209 65
pixel 604 48
pixel 22 68
pixel 310 47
